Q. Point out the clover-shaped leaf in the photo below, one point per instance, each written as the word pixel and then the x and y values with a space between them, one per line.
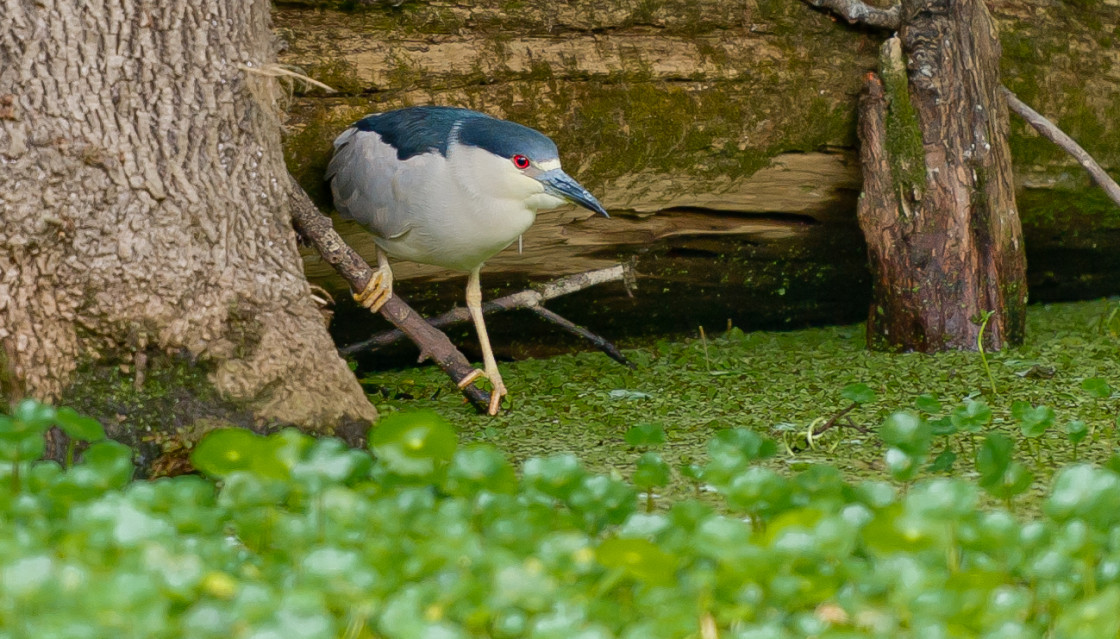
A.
pixel 928 403
pixel 1096 387
pixel 77 426
pixel 226 450
pixel 971 417
pixel 646 434
pixel 1076 431
pixel 556 476
pixel 414 443
pixel 480 467
pixel 640 559
pixel 652 472
pixel 1034 420
pixel 859 393
pixel 907 432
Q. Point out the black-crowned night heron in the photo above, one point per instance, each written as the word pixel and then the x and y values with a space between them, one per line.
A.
pixel 449 187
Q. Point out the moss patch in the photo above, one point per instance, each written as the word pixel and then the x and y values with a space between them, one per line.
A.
pixel 159 411
pixel 783 384
pixel 903 131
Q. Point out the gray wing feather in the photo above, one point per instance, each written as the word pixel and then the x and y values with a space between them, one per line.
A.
pixel 366 183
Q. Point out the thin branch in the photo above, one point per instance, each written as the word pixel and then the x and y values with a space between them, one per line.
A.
pixel 317 229
pixel 277 70
pixel 531 299
pixel 1051 132
pixel 857 12
pixel 600 342
pixel 819 430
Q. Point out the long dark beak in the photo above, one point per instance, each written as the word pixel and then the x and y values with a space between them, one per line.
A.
pixel 557 182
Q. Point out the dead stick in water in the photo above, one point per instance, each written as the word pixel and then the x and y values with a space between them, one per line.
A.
pixel 532 299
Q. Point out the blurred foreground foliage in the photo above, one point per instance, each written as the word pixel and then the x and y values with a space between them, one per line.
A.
pixel 289 536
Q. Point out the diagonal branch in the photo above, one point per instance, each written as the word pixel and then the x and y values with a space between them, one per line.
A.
pixel 858 12
pixel 1051 132
pixel 317 229
pixel 531 299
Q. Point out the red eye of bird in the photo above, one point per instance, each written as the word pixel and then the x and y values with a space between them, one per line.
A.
pixel 521 162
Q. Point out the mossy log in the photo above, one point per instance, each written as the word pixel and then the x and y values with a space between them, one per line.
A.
pixel 721 135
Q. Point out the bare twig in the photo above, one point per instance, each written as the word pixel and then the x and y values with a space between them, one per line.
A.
pixel 531 299
pixel 1051 132
pixel 317 229
pixel 857 12
pixel 819 430
pixel 277 71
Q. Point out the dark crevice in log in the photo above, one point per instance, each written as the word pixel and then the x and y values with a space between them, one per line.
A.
pixel 761 216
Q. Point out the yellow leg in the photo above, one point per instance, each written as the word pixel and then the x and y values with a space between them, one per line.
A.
pixel 474 307
pixel 379 288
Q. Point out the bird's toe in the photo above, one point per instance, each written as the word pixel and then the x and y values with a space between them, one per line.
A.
pixel 470 378
pixel 378 290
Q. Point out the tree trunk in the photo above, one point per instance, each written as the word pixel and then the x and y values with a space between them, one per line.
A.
pixel 145 218
pixel 938 205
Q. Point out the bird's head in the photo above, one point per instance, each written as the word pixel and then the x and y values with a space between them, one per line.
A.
pixel 502 159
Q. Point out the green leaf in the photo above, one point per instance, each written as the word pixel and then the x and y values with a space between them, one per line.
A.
pixel 79 427
pixel 651 472
pixel 928 403
pixel 640 559
pixel 907 432
pixel 993 458
pixel 111 460
pixel 1034 420
pixel 859 393
pixel 971 417
pixel 742 443
pixel 756 490
pixel 732 452
pixel 34 415
pixel 1015 481
pixel 1085 493
pixel 21 446
pixel 1076 431
pixel 278 454
pixel 330 461
pixel 944 462
pixel 556 476
pixel 1000 475
pixel 943 425
pixel 601 501
pixel 226 450
pixel 1096 387
pixel 480 467
pixel 901 465
pixel 1094 616
pixel 647 434
pixel 414 443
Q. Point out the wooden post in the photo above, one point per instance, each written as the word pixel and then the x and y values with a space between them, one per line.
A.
pixel 938 205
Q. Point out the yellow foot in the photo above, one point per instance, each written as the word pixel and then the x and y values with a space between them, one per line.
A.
pixel 378 289
pixel 497 392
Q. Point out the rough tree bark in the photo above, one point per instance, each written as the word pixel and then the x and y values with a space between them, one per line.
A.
pixel 144 213
pixel 938 204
